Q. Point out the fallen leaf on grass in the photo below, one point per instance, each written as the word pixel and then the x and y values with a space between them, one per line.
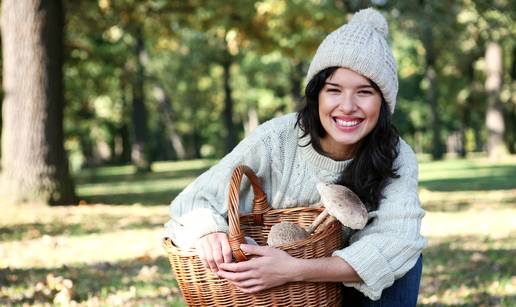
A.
pixel 477 257
pixel 55 289
pixel 144 258
pixel 147 273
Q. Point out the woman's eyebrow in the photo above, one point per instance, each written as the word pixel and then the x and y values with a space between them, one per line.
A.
pixel 334 84
pixel 365 86
pixel 359 86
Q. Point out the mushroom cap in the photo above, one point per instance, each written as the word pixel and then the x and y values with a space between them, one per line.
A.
pixel 285 232
pixel 343 204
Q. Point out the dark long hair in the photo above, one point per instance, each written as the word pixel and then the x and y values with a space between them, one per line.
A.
pixel 373 158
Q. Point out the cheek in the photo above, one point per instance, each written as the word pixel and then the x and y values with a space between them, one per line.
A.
pixel 373 109
pixel 326 105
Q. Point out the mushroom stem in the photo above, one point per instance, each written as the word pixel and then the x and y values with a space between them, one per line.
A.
pixel 326 223
pixel 318 220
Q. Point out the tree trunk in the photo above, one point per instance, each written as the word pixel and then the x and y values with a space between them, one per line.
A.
pixel 252 120
pixel 195 148
pixel 296 79
pixel 166 112
pixel 494 114
pixel 124 156
pixel 34 162
pixel 465 107
pixel 432 95
pixel 231 140
pixel 123 138
pixel 139 152
pixel 1 103
pixel 510 140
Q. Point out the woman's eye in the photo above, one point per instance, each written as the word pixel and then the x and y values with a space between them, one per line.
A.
pixel 365 92
pixel 333 90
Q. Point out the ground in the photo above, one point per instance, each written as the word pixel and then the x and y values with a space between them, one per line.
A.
pixel 107 251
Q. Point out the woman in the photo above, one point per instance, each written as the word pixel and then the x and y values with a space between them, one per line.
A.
pixel 342 135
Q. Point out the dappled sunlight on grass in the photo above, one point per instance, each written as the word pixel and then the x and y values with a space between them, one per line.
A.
pixel 111 185
pixel 471 227
pixel 467 200
pixel 108 252
pixel 470 271
pixel 55 251
pixel 167 166
pixel 136 192
pixel 495 222
pixel 468 175
pixel 25 222
pixel 134 282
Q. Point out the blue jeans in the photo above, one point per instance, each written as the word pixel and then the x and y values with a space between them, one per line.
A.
pixel 403 293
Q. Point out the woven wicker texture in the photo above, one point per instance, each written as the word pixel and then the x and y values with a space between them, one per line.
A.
pixel 200 287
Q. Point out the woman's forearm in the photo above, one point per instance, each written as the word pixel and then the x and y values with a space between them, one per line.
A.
pixel 328 269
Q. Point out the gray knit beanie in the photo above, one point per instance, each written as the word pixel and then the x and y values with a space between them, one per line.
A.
pixel 361 45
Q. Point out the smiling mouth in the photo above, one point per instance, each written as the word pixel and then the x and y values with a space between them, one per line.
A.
pixel 346 123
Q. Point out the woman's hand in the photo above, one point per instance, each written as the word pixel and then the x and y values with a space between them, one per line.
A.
pixel 213 250
pixel 273 267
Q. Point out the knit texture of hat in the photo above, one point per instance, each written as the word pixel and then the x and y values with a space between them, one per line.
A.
pixel 361 45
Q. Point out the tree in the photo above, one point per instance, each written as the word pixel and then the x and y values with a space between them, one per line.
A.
pixel 34 163
pixel 488 30
pixel 140 155
pixel 433 23
pixel 494 114
pixel 432 92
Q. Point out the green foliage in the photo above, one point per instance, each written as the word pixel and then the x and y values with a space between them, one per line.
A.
pixel 271 44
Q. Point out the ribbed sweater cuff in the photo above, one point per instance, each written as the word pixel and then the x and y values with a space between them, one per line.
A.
pixel 194 225
pixel 370 265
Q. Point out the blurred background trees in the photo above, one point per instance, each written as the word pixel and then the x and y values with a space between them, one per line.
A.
pixel 152 80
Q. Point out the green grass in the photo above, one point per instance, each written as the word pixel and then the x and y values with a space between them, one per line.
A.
pixel 107 251
pixel 468 175
pixel 122 185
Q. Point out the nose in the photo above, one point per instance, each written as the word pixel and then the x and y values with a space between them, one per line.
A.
pixel 347 104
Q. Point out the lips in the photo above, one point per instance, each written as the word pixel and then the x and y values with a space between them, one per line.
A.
pixel 348 122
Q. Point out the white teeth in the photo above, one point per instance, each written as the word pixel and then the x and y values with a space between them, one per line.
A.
pixel 344 123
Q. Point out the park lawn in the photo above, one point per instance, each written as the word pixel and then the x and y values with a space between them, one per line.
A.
pixel 107 251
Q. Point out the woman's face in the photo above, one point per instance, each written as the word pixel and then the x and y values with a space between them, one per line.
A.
pixel 349 107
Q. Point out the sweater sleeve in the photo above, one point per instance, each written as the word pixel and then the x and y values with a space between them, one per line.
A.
pixel 201 208
pixel 390 245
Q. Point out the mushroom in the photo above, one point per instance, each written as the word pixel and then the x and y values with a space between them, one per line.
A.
pixel 285 232
pixel 341 204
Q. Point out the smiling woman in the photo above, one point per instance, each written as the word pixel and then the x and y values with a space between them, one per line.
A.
pixel 349 107
pixel 344 135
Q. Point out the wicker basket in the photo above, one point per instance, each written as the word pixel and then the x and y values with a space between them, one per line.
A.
pixel 200 287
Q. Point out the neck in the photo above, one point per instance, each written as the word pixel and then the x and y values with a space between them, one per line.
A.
pixel 337 152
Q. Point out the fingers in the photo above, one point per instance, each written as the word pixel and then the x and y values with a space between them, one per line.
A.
pixel 238 266
pixel 205 254
pixel 243 281
pixel 235 277
pixel 253 289
pixel 213 249
pixel 200 252
pixel 211 261
pixel 227 254
pixel 216 256
pixel 256 249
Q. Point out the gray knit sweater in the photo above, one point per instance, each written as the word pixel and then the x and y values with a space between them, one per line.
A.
pixel 380 253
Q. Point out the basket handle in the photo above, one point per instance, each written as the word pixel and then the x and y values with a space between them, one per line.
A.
pixel 260 206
